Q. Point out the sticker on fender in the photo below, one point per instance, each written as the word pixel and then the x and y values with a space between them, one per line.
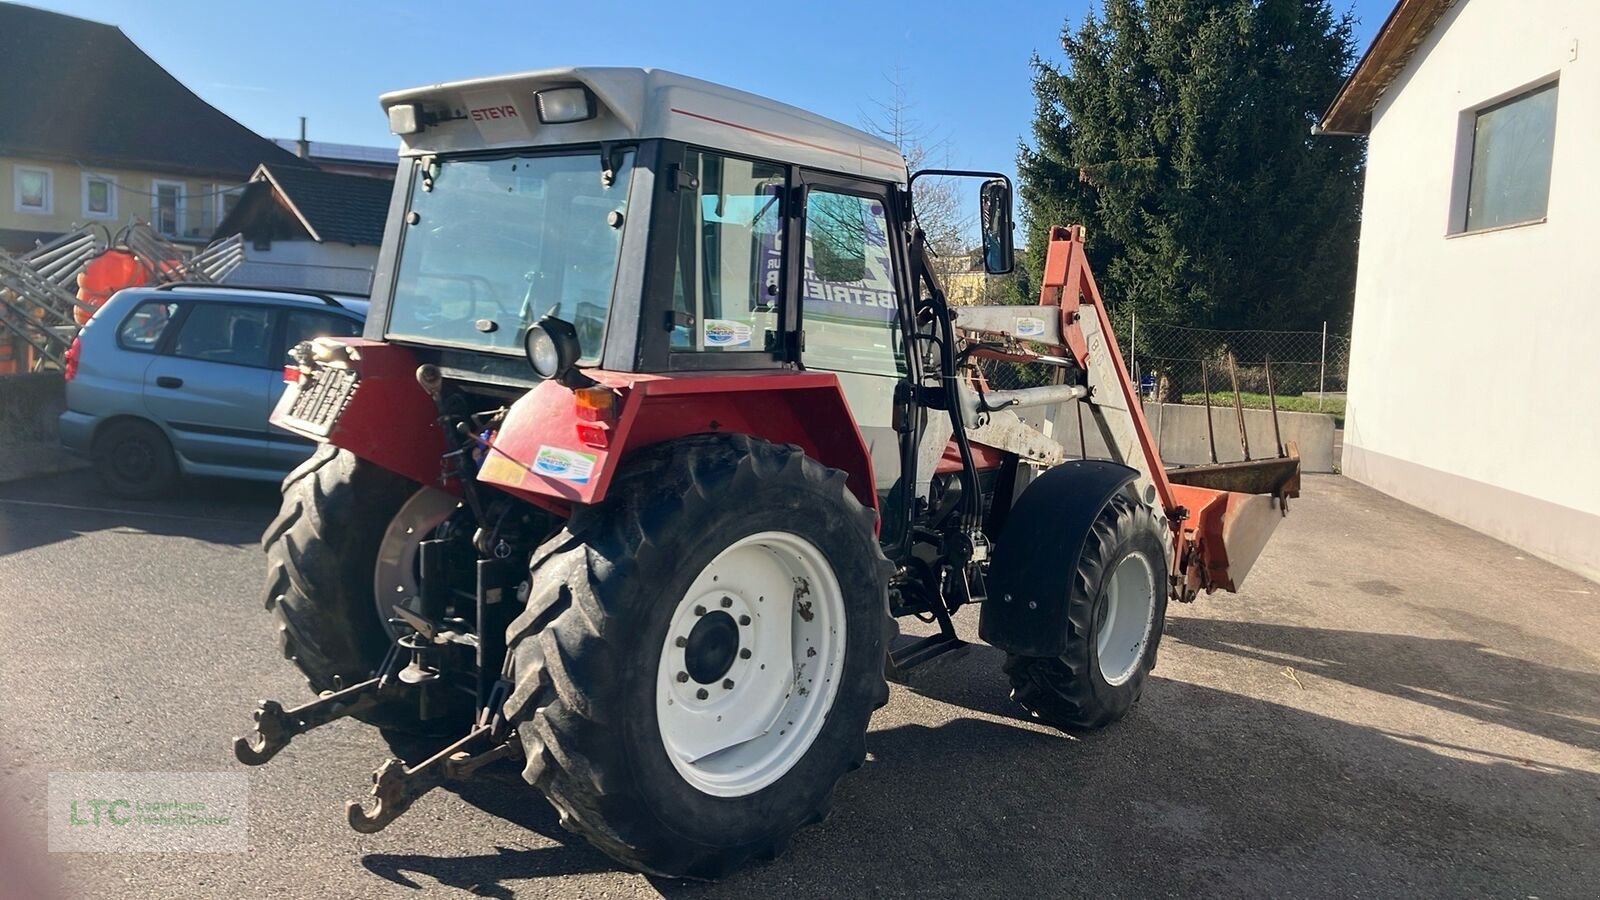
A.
pixel 567 465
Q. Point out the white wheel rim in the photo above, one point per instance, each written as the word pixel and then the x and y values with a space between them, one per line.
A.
pixel 732 735
pixel 394 575
pixel 1124 628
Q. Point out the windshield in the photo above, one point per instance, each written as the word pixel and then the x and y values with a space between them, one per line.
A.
pixel 492 245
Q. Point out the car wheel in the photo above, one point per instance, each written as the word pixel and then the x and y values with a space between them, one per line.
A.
pixel 134 460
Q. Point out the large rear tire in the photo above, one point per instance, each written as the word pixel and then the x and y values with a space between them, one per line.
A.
pixel 1114 622
pixel 323 572
pixel 700 654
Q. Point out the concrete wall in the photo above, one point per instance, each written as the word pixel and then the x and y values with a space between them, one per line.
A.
pixel 1473 389
pixel 29 444
pixel 30 405
pixel 1180 432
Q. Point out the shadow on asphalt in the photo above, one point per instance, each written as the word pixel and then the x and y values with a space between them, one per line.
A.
pixel 1199 790
pixel 1466 678
pixel 43 511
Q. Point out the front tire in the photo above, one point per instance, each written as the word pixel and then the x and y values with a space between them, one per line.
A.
pixel 1114 622
pixel 644 721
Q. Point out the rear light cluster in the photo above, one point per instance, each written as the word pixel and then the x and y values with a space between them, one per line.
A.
pixel 597 413
pixel 69 362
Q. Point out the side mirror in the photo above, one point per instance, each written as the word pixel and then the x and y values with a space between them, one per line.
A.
pixel 994 214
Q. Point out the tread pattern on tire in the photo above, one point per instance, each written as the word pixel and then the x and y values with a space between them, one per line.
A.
pixel 551 654
pixel 320 550
pixel 1058 690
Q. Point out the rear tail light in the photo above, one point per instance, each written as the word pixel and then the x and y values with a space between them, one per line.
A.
pixel 596 409
pixel 69 368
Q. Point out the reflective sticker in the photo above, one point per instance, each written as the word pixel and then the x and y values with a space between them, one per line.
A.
pixel 726 333
pixel 495 116
pixel 1027 326
pixel 567 465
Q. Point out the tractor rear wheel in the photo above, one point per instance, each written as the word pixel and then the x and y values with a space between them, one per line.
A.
pixel 341 551
pixel 700 654
pixel 1115 617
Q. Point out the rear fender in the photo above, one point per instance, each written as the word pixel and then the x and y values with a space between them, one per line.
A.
pixel 1036 557
pixel 540 455
pixel 388 420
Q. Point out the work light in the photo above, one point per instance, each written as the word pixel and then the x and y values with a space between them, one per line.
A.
pixel 558 106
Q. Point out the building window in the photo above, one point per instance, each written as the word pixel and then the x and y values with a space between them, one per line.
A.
pixel 34 191
pixel 166 207
pixel 99 197
pixel 224 200
pixel 1513 144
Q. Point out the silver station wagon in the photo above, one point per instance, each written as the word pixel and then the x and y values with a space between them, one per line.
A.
pixel 179 380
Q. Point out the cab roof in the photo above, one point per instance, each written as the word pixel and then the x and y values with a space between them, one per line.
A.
pixel 635 103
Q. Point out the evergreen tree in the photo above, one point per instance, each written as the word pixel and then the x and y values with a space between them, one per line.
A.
pixel 1179 133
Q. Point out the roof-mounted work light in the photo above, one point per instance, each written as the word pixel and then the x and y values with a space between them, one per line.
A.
pixel 558 106
pixel 405 118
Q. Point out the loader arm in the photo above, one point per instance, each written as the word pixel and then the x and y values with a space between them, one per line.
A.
pixel 1220 516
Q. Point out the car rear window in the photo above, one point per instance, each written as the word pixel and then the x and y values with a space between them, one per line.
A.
pixel 143 328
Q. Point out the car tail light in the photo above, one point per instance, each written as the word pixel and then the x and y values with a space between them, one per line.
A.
pixel 69 368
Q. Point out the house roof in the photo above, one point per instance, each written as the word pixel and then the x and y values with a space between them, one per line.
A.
pixel 1408 25
pixel 331 206
pixel 81 91
pixel 362 154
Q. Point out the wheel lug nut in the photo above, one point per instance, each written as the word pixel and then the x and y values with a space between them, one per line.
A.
pixel 744 620
pixel 682 677
pixel 745 653
pixel 681 642
pixel 699 610
pixel 702 694
pixel 727 684
pixel 727 602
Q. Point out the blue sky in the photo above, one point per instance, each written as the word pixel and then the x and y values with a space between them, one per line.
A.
pixel 964 65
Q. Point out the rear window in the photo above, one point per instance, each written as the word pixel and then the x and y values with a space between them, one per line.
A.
pixel 143 328
pixel 305 326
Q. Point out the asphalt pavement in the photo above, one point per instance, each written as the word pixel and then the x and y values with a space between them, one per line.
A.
pixel 1394 706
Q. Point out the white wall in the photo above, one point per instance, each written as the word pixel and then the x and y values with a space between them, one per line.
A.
pixel 1475 366
pixel 340 268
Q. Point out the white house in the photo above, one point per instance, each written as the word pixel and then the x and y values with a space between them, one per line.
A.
pixel 1474 378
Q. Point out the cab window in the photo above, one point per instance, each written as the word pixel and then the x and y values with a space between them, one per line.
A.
pixel 851 307
pixel 728 276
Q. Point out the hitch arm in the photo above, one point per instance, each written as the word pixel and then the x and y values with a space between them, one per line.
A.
pixel 276 726
pixel 396 786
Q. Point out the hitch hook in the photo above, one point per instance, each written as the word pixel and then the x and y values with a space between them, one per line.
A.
pixel 395 786
pixel 276 727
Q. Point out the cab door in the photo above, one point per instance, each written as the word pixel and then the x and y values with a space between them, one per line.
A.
pixel 853 295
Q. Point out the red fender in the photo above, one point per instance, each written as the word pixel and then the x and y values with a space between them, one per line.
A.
pixel 541 456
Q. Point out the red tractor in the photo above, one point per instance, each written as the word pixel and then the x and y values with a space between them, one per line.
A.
pixel 661 420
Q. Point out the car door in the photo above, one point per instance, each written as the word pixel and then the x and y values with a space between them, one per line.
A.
pixel 289 450
pixel 211 384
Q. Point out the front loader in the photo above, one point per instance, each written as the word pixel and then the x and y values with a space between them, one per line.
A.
pixel 660 422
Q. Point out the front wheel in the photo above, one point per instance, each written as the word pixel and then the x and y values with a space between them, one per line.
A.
pixel 1114 621
pixel 700 654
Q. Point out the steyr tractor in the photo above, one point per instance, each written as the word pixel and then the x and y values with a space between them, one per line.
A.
pixel 661 419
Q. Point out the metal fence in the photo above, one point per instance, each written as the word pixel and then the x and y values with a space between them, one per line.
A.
pixel 1177 363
